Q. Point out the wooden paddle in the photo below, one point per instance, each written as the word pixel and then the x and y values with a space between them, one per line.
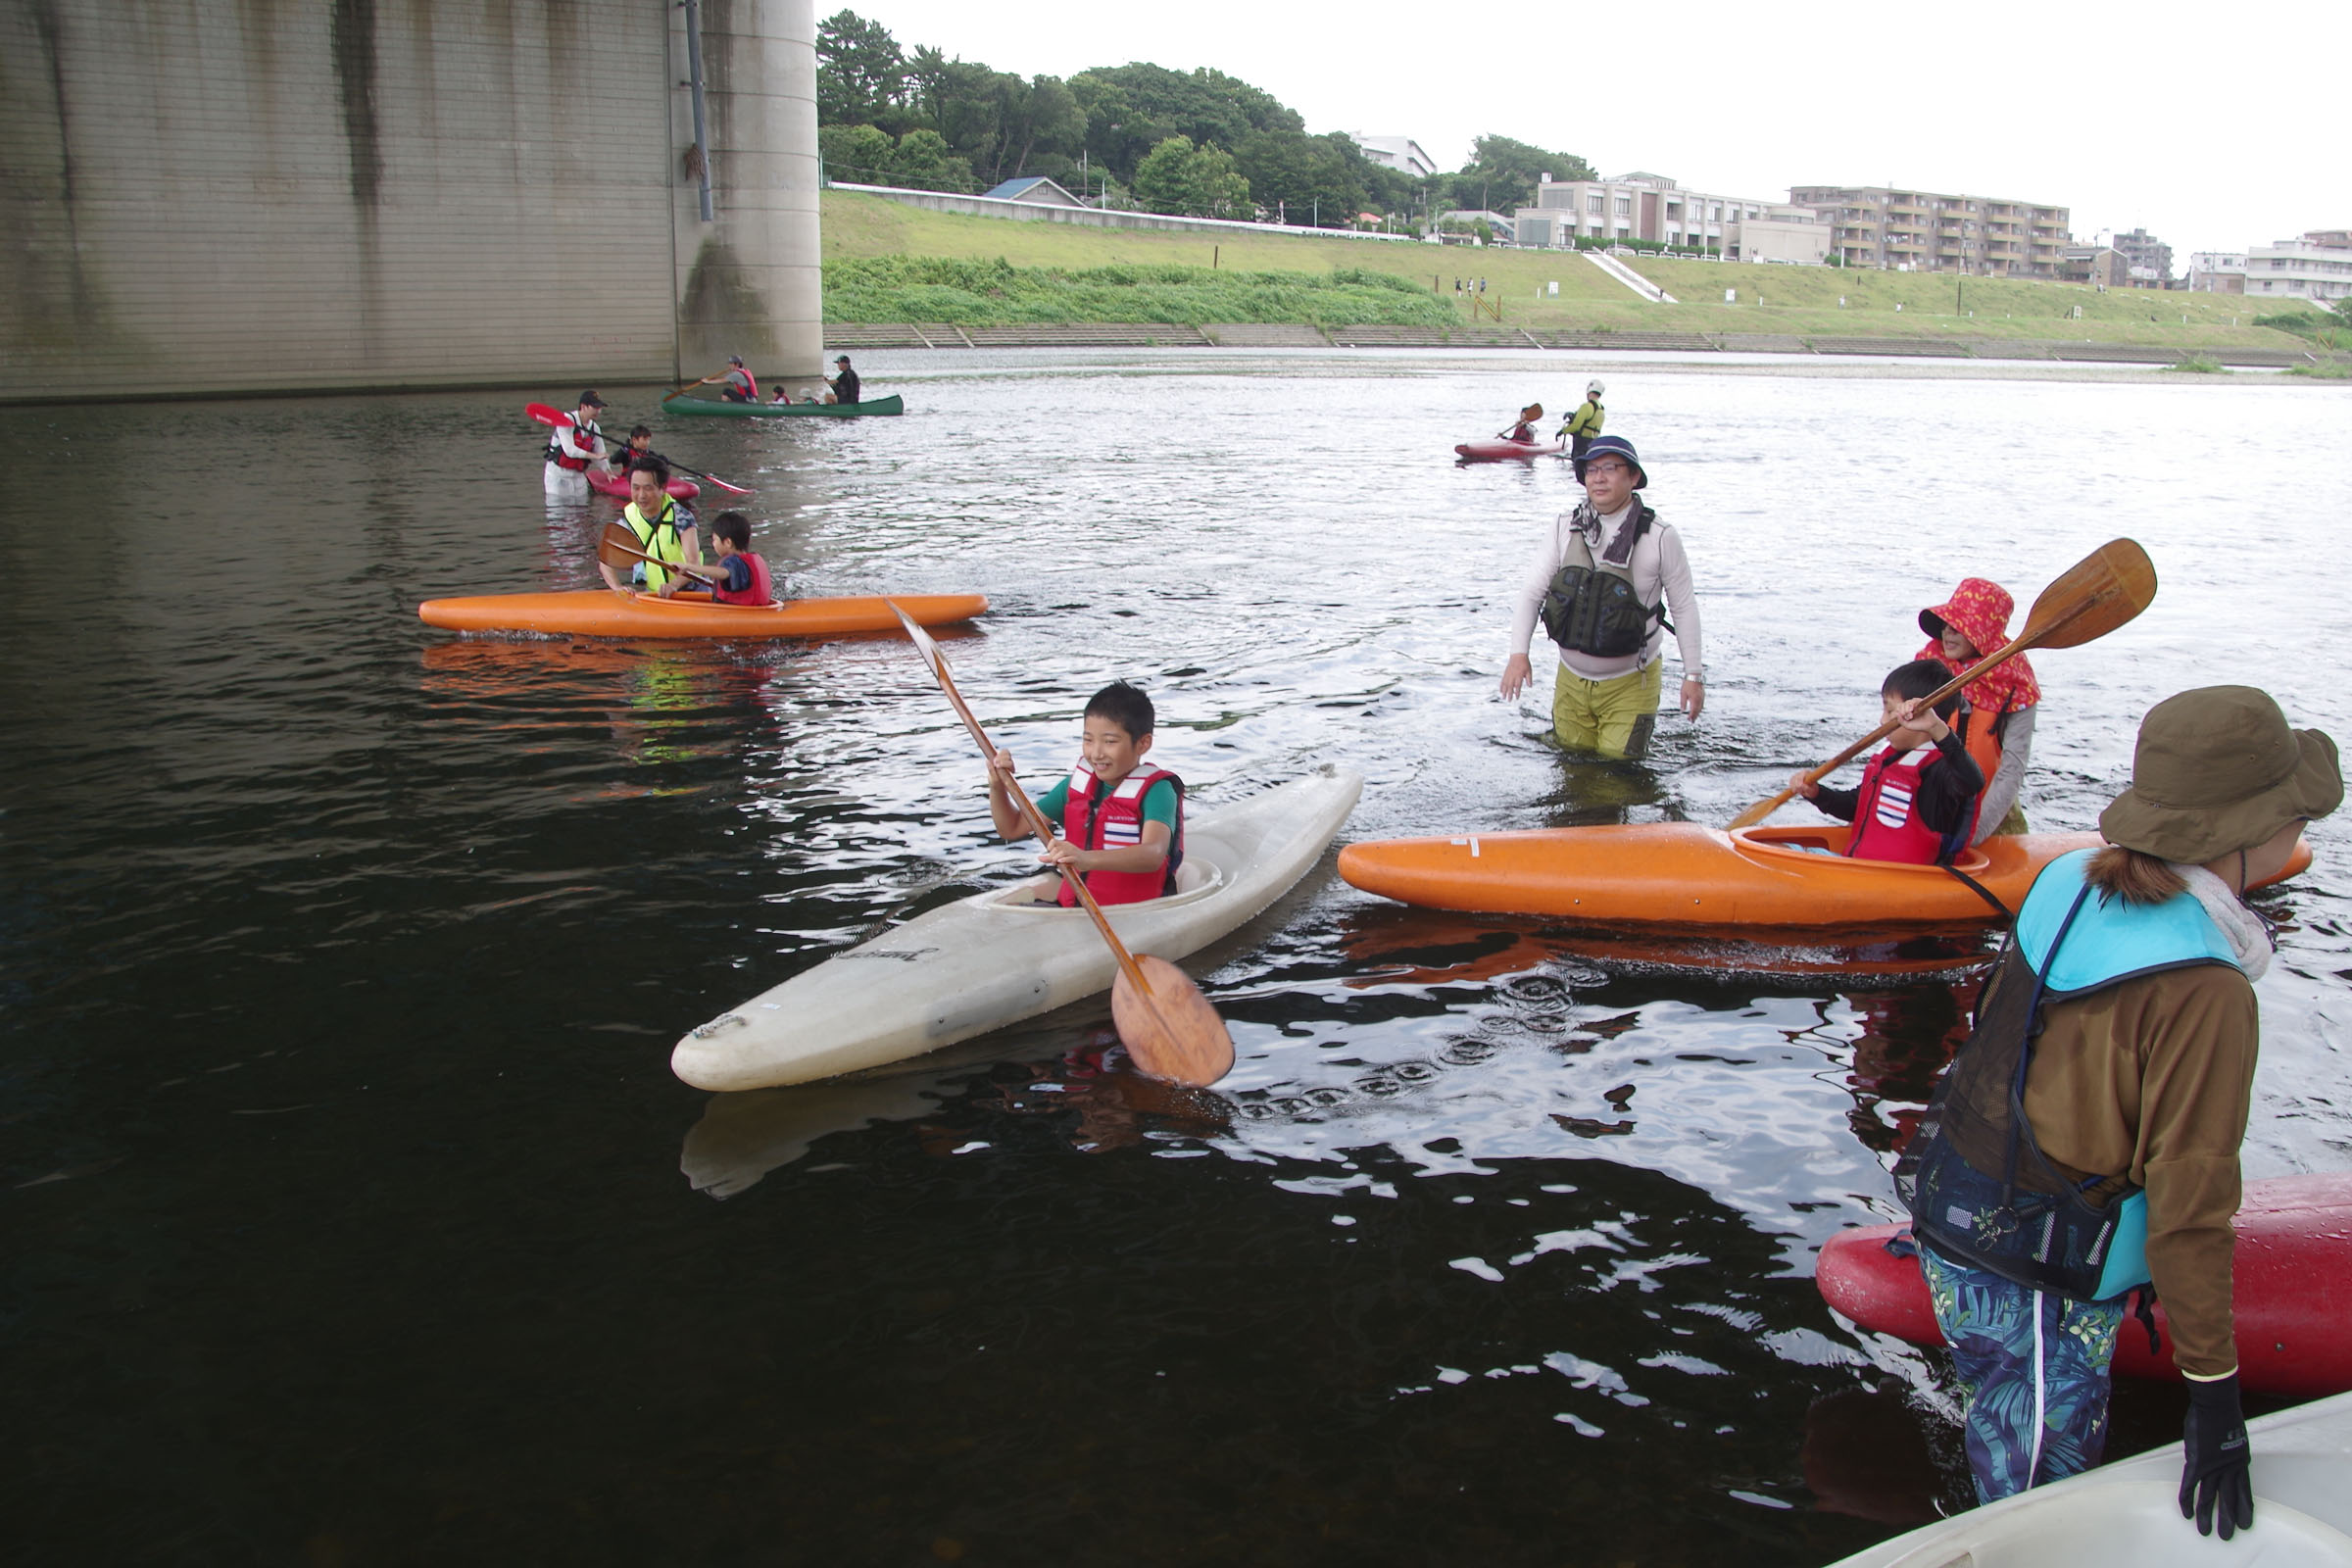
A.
pixel 2097 594
pixel 1167 1024
pixel 618 548
pixel 553 418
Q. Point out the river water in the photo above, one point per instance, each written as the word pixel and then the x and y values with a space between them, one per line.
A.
pixel 354 1216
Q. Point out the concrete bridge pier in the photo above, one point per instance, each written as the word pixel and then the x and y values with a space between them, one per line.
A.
pixel 749 282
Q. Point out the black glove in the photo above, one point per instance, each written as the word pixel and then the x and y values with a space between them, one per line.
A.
pixel 2215 1471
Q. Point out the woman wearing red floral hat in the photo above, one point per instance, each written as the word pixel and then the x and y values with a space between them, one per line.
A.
pixel 1997 726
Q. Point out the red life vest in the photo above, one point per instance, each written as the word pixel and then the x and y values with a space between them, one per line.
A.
pixel 586 436
pixel 747 389
pixel 1887 822
pixel 758 593
pixel 1117 822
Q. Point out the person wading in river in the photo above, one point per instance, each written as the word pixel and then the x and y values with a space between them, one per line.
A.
pixel 1585 423
pixel 572 447
pixel 2124 1004
pixel 1604 580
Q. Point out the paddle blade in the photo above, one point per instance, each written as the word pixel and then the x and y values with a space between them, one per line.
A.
pixel 617 547
pixel 547 416
pixel 2105 589
pixel 1173 1033
pixel 921 639
pixel 1762 809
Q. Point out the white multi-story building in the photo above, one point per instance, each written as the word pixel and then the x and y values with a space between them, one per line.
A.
pixel 2216 272
pixel 1639 206
pixel 2317 265
pixel 1401 153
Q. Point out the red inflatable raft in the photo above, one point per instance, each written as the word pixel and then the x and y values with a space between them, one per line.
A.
pixel 1496 451
pixel 2292 1278
pixel 616 485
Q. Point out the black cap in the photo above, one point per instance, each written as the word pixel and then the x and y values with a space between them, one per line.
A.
pixel 843 359
pixel 589 399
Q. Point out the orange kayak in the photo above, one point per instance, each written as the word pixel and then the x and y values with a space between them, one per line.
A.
pixel 599 612
pixel 1694 877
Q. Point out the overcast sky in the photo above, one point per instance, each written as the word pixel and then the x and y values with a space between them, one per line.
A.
pixel 2214 128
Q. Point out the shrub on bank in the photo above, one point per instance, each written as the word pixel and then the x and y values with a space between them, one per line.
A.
pixel 971 292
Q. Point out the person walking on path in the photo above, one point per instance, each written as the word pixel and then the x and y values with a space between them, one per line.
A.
pixel 2122 1004
pixel 1604 581
pixel 1585 423
pixel 572 448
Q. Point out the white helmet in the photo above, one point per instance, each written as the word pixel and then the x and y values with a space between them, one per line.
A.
pixel 1593 389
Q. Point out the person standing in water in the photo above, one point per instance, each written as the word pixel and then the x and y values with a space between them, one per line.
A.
pixel 572 448
pixel 1602 580
pixel 2085 1141
pixel 1585 423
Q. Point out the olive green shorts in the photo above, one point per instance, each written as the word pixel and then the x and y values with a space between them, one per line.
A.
pixel 1613 717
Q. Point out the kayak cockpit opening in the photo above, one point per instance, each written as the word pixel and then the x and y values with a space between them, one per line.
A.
pixel 1830 839
pixel 1196 879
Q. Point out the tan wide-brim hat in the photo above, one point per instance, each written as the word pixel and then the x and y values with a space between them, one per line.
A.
pixel 2219 769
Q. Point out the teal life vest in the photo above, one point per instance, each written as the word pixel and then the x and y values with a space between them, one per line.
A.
pixel 1961 1174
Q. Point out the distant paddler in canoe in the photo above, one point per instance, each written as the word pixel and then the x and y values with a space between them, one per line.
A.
pixel 572 448
pixel 735 384
pixel 1523 430
pixel 1604 580
pixel 664 528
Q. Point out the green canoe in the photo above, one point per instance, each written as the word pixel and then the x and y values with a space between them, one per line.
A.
pixel 677 403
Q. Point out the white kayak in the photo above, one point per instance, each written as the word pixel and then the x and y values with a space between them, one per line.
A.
pixel 998 957
pixel 2129 1511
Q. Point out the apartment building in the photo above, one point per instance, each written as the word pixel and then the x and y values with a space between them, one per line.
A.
pixel 2317 265
pixel 2216 272
pixel 1636 206
pixel 1401 153
pixel 2150 259
pixel 1930 231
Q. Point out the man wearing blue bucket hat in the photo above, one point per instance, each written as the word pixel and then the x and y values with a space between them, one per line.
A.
pixel 1603 582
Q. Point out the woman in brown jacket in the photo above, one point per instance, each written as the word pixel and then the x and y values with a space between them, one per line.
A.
pixel 2123 1007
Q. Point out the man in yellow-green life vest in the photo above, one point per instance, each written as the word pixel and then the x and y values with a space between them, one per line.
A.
pixel 1585 423
pixel 664 530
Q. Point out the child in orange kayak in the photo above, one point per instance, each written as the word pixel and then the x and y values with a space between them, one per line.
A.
pixel 1997 726
pixel 1916 811
pixel 738 576
pixel 1122 823
pixel 1525 430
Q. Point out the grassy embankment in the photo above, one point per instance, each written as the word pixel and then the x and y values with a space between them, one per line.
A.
pixel 1801 301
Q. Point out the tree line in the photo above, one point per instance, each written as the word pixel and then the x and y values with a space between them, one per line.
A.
pixel 1196 143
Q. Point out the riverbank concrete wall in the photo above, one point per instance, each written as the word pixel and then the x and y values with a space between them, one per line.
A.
pixel 232 196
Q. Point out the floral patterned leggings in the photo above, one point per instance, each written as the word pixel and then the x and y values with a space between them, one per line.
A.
pixel 2036 1369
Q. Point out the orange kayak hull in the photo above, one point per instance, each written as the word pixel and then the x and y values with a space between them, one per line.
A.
pixel 599 612
pixel 1695 877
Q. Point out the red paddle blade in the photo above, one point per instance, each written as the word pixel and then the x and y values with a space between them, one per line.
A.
pixel 1173 1033
pixel 547 416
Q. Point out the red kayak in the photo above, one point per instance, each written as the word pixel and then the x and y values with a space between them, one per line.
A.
pixel 1496 451
pixel 616 485
pixel 2291 1281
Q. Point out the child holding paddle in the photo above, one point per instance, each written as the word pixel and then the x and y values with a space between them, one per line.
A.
pixel 1122 824
pixel 1997 727
pixel 1524 432
pixel 1917 813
